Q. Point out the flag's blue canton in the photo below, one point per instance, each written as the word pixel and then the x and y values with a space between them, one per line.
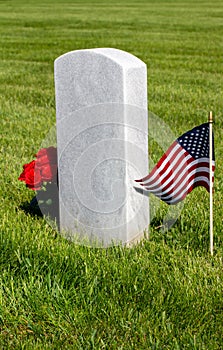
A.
pixel 196 141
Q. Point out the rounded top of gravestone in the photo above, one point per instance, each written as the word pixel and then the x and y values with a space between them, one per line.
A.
pixel 122 58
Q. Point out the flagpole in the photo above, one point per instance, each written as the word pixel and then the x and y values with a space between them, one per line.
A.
pixel 210 121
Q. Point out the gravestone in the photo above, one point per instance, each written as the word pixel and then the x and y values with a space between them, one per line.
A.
pixel 102 143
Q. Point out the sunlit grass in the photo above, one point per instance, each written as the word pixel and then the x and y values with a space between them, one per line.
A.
pixel 165 293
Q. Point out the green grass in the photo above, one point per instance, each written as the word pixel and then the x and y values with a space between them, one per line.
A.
pixel 165 293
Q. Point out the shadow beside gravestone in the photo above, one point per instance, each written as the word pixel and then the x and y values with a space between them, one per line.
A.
pixel 45 204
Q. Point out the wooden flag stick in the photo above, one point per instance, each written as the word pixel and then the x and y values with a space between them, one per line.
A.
pixel 210 121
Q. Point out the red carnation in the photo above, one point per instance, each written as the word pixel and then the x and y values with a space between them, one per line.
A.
pixel 31 176
pixel 46 156
pixel 46 162
pixel 43 169
pixel 48 172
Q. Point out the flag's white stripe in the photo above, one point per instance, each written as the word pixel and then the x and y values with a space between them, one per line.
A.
pixel 169 169
pixel 170 174
pixel 179 197
pixel 192 182
pixel 167 160
pixel 157 172
pixel 167 194
pixel 196 171
pixel 185 181
pixel 182 193
pixel 198 178
pixel 179 177
pixel 186 171
pixel 173 175
pixel 178 185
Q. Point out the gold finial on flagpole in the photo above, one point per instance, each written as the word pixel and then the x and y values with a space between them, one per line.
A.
pixel 210 117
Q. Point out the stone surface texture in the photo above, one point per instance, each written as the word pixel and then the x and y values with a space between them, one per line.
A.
pixel 102 141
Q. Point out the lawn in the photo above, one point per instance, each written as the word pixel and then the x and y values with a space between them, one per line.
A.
pixel 164 293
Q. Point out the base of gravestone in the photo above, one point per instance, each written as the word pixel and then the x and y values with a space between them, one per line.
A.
pixel 94 242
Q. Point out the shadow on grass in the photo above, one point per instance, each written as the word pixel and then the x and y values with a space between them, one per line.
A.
pixel 32 208
pixel 45 204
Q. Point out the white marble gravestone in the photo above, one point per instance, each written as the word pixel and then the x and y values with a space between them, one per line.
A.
pixel 102 141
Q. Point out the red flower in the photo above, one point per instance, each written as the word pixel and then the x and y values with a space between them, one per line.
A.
pixel 43 169
pixel 46 161
pixel 46 155
pixel 31 176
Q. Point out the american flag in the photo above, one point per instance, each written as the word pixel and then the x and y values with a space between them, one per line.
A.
pixel 183 167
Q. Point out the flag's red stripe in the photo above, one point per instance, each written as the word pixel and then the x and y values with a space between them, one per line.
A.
pixel 186 167
pixel 181 195
pixel 159 164
pixel 156 182
pixel 200 171
pixel 195 184
pixel 177 190
pixel 170 164
pixel 164 167
pixel 178 178
pixel 182 185
pixel 182 174
pixel 170 168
